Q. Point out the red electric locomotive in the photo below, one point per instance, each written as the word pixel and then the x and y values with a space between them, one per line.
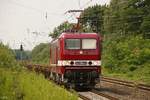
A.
pixel 76 59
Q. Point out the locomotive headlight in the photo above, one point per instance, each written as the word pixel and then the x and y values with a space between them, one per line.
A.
pixel 96 63
pixel 79 62
pixel 66 63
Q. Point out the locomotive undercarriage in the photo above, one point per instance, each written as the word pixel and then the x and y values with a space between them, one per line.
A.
pixel 77 78
pixel 83 79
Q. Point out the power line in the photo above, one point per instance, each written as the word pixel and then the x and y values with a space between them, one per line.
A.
pixel 34 9
pixel 80 10
pixel 122 21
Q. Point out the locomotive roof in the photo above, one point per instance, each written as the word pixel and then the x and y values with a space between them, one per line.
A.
pixel 78 34
pixel 75 35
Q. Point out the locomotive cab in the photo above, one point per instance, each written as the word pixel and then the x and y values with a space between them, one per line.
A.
pixel 80 57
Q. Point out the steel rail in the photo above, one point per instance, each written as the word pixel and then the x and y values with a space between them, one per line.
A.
pixel 83 97
pixel 104 95
pixel 126 83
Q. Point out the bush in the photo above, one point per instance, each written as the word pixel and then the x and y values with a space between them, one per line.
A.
pixel 25 85
pixel 128 51
pixel 7 58
pixel 40 54
pixel 20 84
pixel 126 55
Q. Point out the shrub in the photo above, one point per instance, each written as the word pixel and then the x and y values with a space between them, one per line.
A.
pixel 6 57
pixel 129 51
pixel 126 55
pixel 25 85
pixel 40 54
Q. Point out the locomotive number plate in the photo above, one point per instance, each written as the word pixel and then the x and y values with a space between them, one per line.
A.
pixel 80 63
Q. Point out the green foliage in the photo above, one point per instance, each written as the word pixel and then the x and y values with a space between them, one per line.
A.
pixel 121 17
pixel 25 85
pixel 127 17
pixel 124 51
pixel 126 55
pixel 113 22
pixel 7 84
pixel 61 28
pixel 92 19
pixel 20 84
pixel 145 27
pixel 123 24
pixel 6 57
pixel 37 88
pixel 40 54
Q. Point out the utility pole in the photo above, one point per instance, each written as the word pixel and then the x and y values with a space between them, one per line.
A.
pixel 21 52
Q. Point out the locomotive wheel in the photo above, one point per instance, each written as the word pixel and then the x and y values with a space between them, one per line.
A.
pixel 71 86
pixel 59 76
pixel 54 77
pixel 58 81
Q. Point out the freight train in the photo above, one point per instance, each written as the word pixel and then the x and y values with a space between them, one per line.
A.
pixel 75 59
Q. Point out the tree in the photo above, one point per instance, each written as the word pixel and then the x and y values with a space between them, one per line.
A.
pixel 7 58
pixel 113 17
pixel 61 28
pixel 40 53
pixel 145 26
pixel 92 19
pixel 136 16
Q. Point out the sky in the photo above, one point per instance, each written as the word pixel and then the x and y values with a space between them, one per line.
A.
pixel 29 22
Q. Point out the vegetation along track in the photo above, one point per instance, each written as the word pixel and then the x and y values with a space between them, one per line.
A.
pixel 95 93
pixel 88 95
pixel 126 83
pixel 124 90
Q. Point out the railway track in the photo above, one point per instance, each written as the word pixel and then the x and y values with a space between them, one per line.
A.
pixel 95 95
pixel 44 68
pixel 125 90
pixel 104 95
pixel 83 97
pixel 99 94
pixel 126 83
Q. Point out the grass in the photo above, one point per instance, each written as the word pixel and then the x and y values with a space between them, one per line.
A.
pixel 127 57
pixel 140 75
pixel 25 85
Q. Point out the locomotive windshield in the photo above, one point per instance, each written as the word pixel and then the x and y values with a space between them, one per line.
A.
pixel 80 43
pixel 72 43
pixel 88 43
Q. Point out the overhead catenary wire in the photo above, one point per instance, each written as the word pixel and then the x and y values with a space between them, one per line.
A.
pixel 47 13
pixel 87 3
pixel 80 9
pixel 122 22
pixel 34 9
